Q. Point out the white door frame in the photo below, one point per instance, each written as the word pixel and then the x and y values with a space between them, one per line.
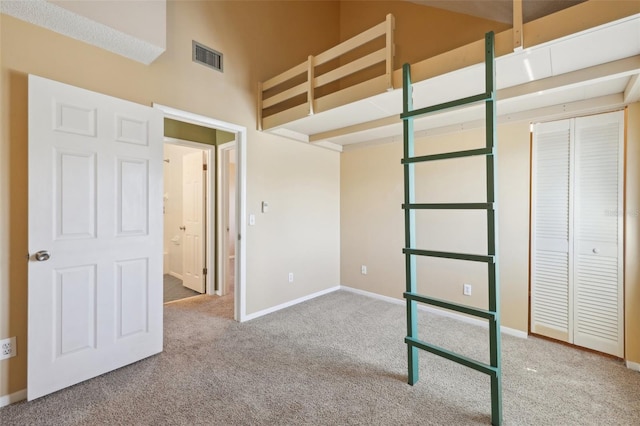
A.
pixel 223 198
pixel 210 206
pixel 240 311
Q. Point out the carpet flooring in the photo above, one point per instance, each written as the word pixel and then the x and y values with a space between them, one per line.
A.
pixel 336 360
pixel 174 290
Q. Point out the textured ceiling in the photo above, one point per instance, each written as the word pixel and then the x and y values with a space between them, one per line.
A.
pixel 64 21
pixel 500 10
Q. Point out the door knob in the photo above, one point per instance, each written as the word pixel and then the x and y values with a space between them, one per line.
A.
pixel 595 251
pixel 183 228
pixel 42 255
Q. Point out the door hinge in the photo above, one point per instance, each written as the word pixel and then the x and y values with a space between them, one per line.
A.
pixel 204 271
pixel 204 167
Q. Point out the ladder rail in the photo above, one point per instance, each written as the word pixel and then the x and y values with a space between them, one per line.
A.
pixel 409 220
pixel 492 314
pixel 492 230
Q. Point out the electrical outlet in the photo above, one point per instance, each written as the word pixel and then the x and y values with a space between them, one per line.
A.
pixel 363 269
pixel 8 348
pixel 290 277
pixel 466 289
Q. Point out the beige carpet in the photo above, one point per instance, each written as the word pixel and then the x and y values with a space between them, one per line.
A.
pixel 336 360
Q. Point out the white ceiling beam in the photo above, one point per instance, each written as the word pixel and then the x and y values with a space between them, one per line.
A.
pixel 552 112
pixel 99 33
pixel 632 91
pixel 354 128
pixel 608 71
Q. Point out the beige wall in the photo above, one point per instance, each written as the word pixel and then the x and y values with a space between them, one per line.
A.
pixel 632 236
pixel 421 31
pixel 373 224
pixel 301 231
pixel 372 220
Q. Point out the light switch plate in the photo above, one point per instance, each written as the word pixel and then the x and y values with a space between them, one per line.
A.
pixel 466 289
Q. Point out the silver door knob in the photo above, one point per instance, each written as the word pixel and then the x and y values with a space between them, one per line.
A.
pixel 595 251
pixel 42 255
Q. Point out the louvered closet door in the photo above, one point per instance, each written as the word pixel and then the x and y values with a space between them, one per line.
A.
pixel 598 299
pixel 551 251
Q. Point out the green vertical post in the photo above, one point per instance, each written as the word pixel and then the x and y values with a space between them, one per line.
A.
pixel 494 369
pixel 492 232
pixel 409 224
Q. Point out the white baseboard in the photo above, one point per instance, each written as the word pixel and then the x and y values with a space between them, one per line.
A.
pixel 436 311
pixel 633 365
pixel 175 275
pixel 13 398
pixel 288 304
pixel 372 295
pixel 514 332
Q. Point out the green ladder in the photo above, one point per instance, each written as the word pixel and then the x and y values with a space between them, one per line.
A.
pixel 409 206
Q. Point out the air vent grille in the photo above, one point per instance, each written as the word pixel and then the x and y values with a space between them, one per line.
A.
pixel 207 56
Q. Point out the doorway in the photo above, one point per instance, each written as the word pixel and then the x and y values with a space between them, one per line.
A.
pixel 214 218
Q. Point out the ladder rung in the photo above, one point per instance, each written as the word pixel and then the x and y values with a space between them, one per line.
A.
pixel 482 97
pixel 460 359
pixel 448 155
pixel 449 206
pixel 449 255
pixel 480 313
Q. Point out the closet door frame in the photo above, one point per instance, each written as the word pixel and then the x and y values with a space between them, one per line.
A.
pixel 572 220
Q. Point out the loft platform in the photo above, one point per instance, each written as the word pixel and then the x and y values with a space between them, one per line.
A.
pixel 577 61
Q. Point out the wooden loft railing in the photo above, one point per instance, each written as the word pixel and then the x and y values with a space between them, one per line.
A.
pixel 292 94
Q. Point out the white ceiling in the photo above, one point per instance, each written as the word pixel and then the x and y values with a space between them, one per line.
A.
pixel 501 10
pixel 587 70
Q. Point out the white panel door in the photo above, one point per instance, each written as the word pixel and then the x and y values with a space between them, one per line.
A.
pixel 95 234
pixel 550 250
pixel 193 217
pixel 598 301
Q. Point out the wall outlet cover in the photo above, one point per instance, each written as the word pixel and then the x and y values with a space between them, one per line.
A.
pixel 8 348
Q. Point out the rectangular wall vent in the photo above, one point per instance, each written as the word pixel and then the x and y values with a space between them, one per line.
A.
pixel 207 56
